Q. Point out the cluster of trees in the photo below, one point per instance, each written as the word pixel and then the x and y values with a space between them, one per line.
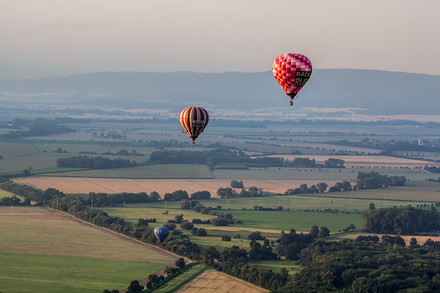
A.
pixel 237 184
pixel 376 180
pixel 185 203
pixel 199 231
pixel 199 195
pixel 290 244
pixel 228 192
pixel 124 152
pixel 14 201
pixel 262 251
pixel 364 181
pixel 402 221
pixel 176 195
pixel 260 208
pixel 368 265
pixel 94 163
pixel 195 205
pixel 223 156
pixel 224 219
pixel 320 188
pixel 105 200
pixel 432 169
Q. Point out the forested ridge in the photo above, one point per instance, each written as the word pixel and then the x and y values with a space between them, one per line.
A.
pixel 368 265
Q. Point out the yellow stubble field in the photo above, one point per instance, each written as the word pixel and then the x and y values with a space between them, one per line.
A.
pixel 366 161
pixel 212 281
pixel 76 185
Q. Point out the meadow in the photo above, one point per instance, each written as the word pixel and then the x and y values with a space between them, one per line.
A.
pixel 303 212
pixel 43 251
pixel 33 272
pixel 277 265
pixel 178 171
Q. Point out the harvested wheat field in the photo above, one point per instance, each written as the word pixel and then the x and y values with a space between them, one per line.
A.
pixel 39 230
pixel 75 185
pixel 212 281
pixel 366 161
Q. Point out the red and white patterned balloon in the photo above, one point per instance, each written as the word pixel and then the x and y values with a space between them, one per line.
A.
pixel 194 121
pixel 292 71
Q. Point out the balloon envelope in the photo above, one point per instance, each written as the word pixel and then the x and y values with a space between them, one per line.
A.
pixel 292 71
pixel 194 121
pixel 161 233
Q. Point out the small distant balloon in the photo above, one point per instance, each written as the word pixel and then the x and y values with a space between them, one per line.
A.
pixel 292 71
pixel 161 233
pixel 194 120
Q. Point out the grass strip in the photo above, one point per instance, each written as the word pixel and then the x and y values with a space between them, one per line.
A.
pixel 182 279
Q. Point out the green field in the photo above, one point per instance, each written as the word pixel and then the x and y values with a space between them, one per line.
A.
pixel 42 251
pixel 358 200
pixel 303 213
pixel 34 154
pixel 277 265
pixel 175 171
pixel 27 272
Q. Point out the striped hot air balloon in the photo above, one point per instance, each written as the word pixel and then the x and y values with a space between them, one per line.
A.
pixel 292 71
pixel 161 233
pixel 194 120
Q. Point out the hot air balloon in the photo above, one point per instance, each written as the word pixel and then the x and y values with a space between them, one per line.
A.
pixel 292 71
pixel 161 233
pixel 194 120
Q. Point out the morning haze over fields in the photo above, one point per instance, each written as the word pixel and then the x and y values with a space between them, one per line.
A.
pixel 339 192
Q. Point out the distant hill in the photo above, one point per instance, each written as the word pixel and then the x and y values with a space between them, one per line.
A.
pixel 378 92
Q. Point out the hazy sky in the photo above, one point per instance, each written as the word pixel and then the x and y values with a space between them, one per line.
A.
pixel 221 35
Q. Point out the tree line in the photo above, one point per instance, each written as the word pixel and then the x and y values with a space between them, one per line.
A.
pixel 432 169
pixel 223 156
pixel 94 162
